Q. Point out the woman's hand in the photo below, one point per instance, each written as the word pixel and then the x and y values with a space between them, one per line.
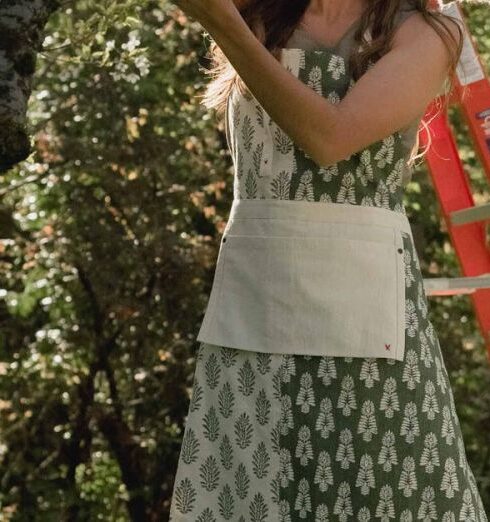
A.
pixel 211 13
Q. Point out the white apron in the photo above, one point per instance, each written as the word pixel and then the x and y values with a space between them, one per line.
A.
pixel 311 278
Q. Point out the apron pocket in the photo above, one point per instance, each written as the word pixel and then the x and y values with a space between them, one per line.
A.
pixel 311 295
pixel 213 301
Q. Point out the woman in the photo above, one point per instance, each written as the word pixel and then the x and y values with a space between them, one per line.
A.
pixel 320 391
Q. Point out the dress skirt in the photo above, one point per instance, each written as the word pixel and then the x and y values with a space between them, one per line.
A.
pixel 284 437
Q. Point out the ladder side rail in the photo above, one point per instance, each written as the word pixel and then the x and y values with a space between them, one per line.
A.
pixel 453 190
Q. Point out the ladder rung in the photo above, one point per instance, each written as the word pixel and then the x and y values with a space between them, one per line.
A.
pixel 455 285
pixel 470 215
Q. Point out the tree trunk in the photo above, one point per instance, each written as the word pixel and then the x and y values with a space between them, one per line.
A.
pixel 21 35
pixel 131 458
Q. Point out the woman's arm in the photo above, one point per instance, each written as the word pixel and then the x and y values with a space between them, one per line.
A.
pixel 387 98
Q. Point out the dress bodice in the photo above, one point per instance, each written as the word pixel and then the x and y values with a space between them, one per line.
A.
pixel 269 165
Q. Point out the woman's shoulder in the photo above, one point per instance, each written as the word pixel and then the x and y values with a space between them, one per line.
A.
pixel 413 26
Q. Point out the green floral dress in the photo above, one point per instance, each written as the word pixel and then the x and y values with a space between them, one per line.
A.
pixel 284 437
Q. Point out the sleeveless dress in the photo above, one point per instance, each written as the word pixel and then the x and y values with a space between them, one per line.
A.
pixel 286 437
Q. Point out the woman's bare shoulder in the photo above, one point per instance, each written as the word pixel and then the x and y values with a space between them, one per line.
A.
pixel 416 29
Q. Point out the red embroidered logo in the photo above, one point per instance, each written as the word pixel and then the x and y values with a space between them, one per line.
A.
pixel 387 346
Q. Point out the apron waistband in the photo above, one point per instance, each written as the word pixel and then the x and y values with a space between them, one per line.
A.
pixel 344 213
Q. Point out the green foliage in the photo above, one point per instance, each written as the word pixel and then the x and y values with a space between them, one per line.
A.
pixel 108 249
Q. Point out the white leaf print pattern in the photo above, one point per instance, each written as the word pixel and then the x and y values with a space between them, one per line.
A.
pixel 364 171
pixel 302 60
pixel 408 481
pixel 449 482
pixel 368 201
pixel 306 396
pixel 388 456
pixel 347 398
pixel 328 173
pixel 315 80
pixel 369 372
pixel 325 420
pixel 365 476
pixel 409 277
pixel 412 321
pixel 367 422
pixel 382 195
pixel 345 450
pixel 327 370
pixel 326 198
pixel 304 449
pixel 430 406
pixel 343 504
pixel 333 97
pixel 389 401
pixel 411 372
pixel 422 300
pixel 410 424
pixel 425 352
pixel 323 473
pixel 286 422
pixel 385 509
pixel 336 66
pixel 394 180
pixel 303 499
pixel 385 154
pixel 305 188
pixel 346 192
pixel 429 458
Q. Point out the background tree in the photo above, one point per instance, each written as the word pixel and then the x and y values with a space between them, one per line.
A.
pixel 109 240
pixel 21 33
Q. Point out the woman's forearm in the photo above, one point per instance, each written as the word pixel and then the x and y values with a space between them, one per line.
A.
pixel 304 115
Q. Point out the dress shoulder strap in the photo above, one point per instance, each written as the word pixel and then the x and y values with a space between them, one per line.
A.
pixel 407 8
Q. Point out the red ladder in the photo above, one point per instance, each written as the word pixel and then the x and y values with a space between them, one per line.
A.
pixel 466 222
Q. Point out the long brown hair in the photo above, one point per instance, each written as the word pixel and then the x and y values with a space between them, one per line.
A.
pixel 273 22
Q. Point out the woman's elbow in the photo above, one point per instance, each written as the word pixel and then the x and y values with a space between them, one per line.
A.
pixel 329 146
pixel 327 155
